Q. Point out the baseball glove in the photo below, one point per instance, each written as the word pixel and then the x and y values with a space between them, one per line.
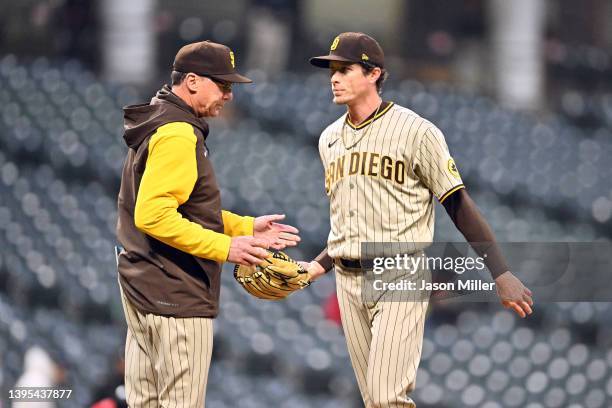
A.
pixel 275 278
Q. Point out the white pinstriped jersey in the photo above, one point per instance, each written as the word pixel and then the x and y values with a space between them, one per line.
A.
pixel 381 178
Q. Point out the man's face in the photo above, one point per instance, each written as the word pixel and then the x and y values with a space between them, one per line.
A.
pixel 348 82
pixel 210 95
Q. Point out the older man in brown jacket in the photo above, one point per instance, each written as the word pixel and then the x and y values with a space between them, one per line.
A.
pixel 175 234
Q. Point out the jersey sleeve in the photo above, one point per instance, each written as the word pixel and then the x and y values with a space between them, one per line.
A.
pixel 435 166
pixel 168 180
pixel 235 225
pixel 322 147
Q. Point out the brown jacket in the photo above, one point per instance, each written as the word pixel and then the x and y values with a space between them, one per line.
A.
pixel 156 277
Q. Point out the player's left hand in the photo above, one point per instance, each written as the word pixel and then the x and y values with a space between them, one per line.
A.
pixel 513 294
pixel 278 235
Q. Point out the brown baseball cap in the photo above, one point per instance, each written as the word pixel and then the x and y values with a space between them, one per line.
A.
pixel 207 58
pixel 352 47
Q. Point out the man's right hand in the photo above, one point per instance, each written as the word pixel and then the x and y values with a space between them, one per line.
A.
pixel 248 250
pixel 314 269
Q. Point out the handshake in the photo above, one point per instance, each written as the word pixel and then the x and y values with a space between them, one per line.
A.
pixel 266 274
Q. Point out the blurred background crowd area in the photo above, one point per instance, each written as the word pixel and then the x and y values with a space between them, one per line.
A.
pixel 521 90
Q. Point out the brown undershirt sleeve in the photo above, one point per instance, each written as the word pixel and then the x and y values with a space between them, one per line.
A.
pixel 468 220
pixel 324 260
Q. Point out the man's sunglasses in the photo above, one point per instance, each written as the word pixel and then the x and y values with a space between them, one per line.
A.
pixel 224 86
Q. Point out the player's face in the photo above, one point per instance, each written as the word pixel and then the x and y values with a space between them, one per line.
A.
pixel 349 83
pixel 210 96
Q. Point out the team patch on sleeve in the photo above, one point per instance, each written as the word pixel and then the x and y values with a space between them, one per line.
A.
pixel 452 168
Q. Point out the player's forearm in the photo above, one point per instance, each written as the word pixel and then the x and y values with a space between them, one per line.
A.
pixel 236 225
pixel 159 219
pixel 324 260
pixel 468 220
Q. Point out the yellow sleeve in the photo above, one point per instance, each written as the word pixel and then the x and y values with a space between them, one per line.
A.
pixel 235 225
pixel 168 180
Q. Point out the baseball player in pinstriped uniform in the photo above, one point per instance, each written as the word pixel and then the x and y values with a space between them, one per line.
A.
pixel 384 164
pixel 175 234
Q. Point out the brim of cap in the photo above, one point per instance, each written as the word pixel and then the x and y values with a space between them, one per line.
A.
pixel 234 78
pixel 324 60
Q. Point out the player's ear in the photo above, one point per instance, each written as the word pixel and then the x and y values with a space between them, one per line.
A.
pixel 374 75
pixel 191 82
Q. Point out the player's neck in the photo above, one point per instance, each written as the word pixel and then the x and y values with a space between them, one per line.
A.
pixel 360 110
pixel 184 95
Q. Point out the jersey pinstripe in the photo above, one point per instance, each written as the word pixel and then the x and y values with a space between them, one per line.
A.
pixel 381 178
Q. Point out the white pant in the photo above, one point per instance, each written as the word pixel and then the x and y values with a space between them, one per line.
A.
pixel 166 359
pixel 384 340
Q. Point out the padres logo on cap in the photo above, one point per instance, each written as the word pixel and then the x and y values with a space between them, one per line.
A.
pixel 232 59
pixel 335 43
pixel 452 168
pixel 364 57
